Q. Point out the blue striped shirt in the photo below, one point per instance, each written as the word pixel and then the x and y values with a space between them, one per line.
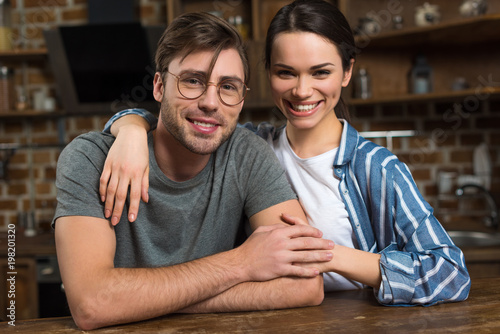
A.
pixel 419 263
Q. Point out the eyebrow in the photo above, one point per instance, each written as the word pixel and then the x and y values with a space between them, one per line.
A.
pixel 203 73
pixel 315 67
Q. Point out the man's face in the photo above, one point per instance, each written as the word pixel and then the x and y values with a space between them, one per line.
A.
pixel 203 124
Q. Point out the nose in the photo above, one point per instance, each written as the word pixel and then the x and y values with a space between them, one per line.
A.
pixel 209 101
pixel 303 87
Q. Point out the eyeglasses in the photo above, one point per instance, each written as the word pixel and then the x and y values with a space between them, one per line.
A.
pixel 192 85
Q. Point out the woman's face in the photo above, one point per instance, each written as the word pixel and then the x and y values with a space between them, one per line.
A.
pixel 306 77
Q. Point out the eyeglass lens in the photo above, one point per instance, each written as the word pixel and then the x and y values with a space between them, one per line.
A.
pixel 193 85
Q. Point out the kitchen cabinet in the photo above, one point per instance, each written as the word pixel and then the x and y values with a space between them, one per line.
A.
pixel 30 274
pixel 23 291
pixel 455 48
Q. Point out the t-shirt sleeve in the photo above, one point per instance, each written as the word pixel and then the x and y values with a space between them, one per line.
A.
pixel 263 181
pixel 79 168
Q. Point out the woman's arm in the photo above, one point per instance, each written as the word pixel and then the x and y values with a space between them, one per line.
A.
pixel 355 264
pixel 421 266
pixel 417 264
pixel 127 164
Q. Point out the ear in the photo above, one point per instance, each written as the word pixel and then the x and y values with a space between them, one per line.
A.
pixel 348 74
pixel 158 88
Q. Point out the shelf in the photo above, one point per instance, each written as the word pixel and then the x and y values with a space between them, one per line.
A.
pixel 31 113
pixel 22 54
pixel 431 97
pixel 463 31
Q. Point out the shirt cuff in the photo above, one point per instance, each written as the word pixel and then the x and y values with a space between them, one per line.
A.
pixel 149 117
pixel 398 282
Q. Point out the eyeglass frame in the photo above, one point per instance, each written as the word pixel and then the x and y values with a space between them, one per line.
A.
pixel 209 83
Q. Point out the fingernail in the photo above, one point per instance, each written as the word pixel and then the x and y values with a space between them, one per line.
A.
pixel 103 199
pixel 147 198
pixel 131 217
pixel 114 220
pixel 107 213
pixel 331 244
pixel 329 256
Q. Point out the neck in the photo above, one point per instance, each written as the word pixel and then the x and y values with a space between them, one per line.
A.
pixel 311 142
pixel 176 161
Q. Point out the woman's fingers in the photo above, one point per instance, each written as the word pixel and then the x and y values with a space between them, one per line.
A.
pixel 292 220
pixel 145 186
pixel 120 197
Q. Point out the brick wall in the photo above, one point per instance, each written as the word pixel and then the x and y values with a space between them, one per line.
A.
pixel 29 186
pixel 447 135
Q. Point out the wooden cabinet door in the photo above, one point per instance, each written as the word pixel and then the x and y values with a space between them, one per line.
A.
pixel 18 285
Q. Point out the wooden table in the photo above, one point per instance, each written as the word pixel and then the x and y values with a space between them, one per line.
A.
pixel 341 312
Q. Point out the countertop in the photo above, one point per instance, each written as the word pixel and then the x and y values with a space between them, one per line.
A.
pixel 40 244
pixel 341 312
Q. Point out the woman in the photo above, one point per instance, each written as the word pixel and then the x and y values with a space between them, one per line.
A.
pixel 359 194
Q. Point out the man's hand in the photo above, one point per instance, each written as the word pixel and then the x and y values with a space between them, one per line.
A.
pixel 278 250
pixel 351 263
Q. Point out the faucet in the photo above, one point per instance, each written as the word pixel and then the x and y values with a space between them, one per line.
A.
pixel 492 220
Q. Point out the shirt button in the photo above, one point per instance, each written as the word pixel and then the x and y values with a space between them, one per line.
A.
pixel 346 191
pixel 339 170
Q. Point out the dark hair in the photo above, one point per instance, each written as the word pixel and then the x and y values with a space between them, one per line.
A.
pixel 192 32
pixel 321 18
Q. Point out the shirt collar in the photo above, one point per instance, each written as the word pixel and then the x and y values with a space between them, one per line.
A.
pixel 348 144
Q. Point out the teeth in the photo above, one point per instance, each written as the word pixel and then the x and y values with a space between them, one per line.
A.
pixel 206 125
pixel 304 107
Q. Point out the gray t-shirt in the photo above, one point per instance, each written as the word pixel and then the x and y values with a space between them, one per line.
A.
pixel 183 221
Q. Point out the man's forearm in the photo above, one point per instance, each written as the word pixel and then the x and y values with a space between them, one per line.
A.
pixel 280 293
pixel 152 291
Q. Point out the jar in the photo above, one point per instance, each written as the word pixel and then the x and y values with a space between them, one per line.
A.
pixel 7 93
pixel 5 26
pixel 369 26
pixel 470 8
pixel 421 76
pixel 427 14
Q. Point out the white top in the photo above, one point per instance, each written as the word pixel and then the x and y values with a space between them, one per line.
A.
pixel 318 191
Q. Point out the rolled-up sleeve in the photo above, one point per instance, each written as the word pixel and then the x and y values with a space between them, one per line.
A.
pixel 148 116
pixel 421 266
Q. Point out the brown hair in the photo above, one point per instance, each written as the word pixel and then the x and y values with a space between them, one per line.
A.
pixel 192 32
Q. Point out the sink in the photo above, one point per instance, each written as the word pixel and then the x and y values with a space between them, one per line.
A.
pixel 474 239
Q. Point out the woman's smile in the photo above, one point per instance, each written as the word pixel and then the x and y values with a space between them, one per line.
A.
pixel 303 109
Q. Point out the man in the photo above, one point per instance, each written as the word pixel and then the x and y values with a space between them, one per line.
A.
pixel 206 177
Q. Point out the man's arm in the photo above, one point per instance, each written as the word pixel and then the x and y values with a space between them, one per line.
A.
pixel 282 292
pixel 100 295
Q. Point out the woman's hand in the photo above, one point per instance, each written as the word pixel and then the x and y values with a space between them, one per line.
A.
pixel 127 165
pixel 351 263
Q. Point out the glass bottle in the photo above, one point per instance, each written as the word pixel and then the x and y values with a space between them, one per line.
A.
pixel 5 26
pixel 362 85
pixel 7 94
